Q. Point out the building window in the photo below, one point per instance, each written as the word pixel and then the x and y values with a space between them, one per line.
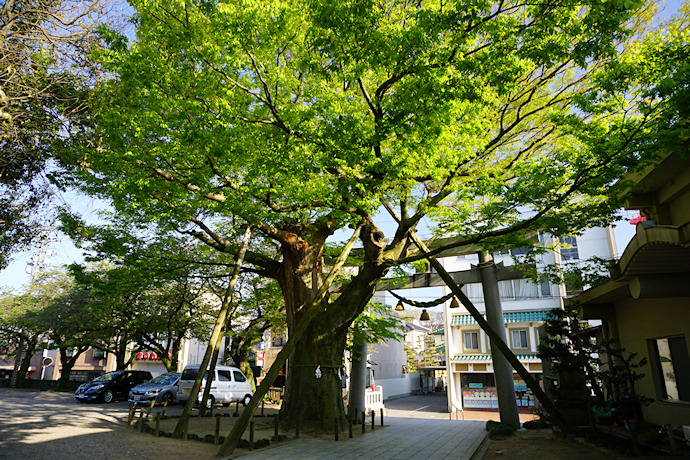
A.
pixel 569 252
pixel 98 353
pixel 672 367
pixel 474 291
pixel 545 289
pixel 69 352
pixel 471 340
pixel 520 339
pixel 278 342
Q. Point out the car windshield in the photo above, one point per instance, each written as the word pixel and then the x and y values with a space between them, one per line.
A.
pixel 190 374
pixel 165 379
pixel 107 377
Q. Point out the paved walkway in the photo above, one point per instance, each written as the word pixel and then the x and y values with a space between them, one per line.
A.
pixel 403 438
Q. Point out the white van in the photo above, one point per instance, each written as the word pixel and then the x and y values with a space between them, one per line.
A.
pixel 228 385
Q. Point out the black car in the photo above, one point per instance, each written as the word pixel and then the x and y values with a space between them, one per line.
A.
pixel 111 385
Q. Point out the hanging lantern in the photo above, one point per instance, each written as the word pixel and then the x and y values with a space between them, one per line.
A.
pixel 400 306
pixel 454 303
pixel 424 316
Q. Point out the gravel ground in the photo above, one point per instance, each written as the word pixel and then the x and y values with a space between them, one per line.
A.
pixel 46 425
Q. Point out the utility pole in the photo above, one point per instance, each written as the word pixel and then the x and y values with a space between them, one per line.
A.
pixel 41 257
pixel 39 261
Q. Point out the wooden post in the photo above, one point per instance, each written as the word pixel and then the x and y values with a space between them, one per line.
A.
pixel 158 424
pixel 165 406
pixel 216 438
pixel 132 411
pixel 148 411
pixel 382 416
pixel 237 408
pixel 141 419
pixel 251 435
pixel 373 414
pixel 364 421
pixel 349 425
pixel 262 408
pixel 673 445
pixel 275 430
pixel 336 427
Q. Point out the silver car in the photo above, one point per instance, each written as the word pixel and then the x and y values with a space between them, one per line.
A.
pixel 160 389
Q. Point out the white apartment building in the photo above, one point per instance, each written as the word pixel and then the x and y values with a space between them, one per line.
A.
pixel 525 305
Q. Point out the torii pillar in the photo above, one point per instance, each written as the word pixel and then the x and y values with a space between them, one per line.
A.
pixel 503 371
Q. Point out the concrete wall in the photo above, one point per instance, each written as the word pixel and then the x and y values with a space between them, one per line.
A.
pixel 404 386
pixel 637 322
pixel 390 357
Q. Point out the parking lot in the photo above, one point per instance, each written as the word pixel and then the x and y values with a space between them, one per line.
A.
pixel 38 425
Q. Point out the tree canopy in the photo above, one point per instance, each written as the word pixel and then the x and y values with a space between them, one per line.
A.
pixel 44 76
pixel 488 120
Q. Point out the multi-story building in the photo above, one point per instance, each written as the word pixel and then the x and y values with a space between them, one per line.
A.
pixel 525 305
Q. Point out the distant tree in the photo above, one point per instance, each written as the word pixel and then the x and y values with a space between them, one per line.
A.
pixel 52 313
pixel 19 330
pixel 258 308
pixel 148 301
pixel 68 322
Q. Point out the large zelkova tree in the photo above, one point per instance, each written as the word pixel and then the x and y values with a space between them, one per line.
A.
pixel 302 119
pixel 44 80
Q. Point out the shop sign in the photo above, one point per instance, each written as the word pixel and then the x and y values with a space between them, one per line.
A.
pixel 147 356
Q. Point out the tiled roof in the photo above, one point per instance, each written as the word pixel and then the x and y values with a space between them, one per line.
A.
pixel 441 349
pixel 438 331
pixel 487 358
pixel 510 317
pixel 415 327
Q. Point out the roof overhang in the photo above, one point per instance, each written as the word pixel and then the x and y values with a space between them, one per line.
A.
pixel 655 264
pixel 656 249
pixel 659 182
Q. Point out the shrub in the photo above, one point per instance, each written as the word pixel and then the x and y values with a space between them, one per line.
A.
pixel 501 430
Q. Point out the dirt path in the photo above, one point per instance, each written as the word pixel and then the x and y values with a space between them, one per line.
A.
pixel 542 445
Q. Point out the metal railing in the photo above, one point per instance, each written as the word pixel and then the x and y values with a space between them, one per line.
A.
pixel 457 409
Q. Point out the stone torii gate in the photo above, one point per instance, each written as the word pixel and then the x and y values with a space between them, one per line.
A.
pixel 489 274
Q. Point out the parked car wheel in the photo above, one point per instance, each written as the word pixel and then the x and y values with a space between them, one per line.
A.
pixel 167 398
pixel 210 402
pixel 245 400
pixel 108 396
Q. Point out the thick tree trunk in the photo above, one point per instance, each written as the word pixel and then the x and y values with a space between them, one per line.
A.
pixel 120 352
pixel 67 365
pixel 314 390
pixel 308 396
pixel 26 362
